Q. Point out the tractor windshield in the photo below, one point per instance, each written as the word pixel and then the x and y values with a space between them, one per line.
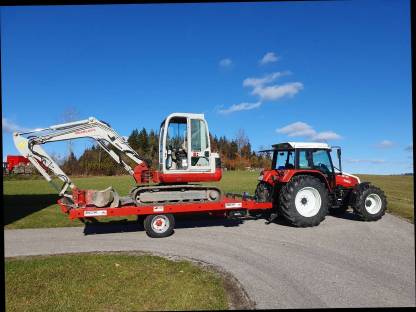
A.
pixel 283 160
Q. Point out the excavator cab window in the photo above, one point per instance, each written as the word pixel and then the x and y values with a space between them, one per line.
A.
pixel 199 144
pixel 177 144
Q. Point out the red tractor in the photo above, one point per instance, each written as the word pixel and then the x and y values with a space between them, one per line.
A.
pixel 304 186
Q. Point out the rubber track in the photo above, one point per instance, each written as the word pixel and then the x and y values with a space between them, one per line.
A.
pixel 170 188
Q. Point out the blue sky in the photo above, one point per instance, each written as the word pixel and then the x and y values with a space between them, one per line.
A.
pixel 305 71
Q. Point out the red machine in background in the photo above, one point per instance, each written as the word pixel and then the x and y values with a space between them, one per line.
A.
pixel 17 164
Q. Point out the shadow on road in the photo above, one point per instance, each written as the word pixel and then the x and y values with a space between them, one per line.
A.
pixel 17 207
pixel 348 215
pixel 181 221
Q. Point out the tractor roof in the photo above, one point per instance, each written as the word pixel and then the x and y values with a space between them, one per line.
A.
pixel 290 145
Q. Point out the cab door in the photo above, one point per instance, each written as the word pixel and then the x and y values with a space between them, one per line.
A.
pixel 200 149
pixel 322 161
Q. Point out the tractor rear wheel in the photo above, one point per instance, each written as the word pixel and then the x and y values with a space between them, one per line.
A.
pixel 369 203
pixel 303 201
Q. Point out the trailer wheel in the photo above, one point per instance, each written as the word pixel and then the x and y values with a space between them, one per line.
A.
pixel 303 201
pixel 160 225
pixel 369 203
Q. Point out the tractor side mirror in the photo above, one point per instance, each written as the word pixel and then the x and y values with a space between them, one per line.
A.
pixel 339 159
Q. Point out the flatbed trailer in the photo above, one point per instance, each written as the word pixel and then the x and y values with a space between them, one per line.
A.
pixel 159 219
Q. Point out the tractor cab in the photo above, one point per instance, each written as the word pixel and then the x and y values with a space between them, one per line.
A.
pixel 185 150
pixel 315 156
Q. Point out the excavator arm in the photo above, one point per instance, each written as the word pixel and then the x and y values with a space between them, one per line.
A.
pixel 29 145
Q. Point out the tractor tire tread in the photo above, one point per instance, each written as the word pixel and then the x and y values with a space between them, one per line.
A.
pixel 287 206
pixel 358 203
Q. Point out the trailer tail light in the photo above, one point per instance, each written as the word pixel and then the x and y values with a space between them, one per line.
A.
pixel 79 197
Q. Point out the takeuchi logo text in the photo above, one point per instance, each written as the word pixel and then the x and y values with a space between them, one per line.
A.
pixel 85 131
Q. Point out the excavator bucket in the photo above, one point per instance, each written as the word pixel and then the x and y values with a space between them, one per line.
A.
pixel 107 197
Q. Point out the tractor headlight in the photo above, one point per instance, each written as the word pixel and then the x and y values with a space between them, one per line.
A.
pixel 260 178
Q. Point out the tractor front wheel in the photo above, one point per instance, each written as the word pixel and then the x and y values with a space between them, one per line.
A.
pixel 303 201
pixel 369 203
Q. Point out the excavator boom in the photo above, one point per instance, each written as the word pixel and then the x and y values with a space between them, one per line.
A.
pixel 29 145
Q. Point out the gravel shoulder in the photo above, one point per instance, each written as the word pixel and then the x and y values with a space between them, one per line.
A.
pixel 341 263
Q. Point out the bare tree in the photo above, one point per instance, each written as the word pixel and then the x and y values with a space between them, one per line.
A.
pixel 69 114
pixel 241 139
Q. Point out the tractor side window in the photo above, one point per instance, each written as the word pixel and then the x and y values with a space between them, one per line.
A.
pixel 285 160
pixel 303 160
pixel 322 162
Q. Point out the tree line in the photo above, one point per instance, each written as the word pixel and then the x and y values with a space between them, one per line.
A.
pixel 236 154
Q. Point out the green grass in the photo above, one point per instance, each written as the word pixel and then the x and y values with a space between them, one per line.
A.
pixel 32 203
pixel 109 282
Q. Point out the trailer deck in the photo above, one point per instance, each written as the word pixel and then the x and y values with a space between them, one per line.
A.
pixel 224 205
pixel 228 203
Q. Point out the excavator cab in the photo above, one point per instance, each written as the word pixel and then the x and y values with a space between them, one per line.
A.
pixel 185 151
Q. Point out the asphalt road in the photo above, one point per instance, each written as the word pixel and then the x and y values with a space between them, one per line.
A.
pixel 341 263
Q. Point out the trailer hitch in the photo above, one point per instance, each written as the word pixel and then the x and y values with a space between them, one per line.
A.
pixel 272 217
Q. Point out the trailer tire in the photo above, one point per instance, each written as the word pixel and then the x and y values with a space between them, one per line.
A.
pixel 303 201
pixel 369 202
pixel 159 225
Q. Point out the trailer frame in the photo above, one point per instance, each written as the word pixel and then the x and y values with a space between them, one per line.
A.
pixel 228 203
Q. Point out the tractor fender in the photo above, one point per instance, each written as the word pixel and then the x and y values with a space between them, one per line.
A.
pixel 316 173
pixel 274 176
pixel 358 189
pixel 361 186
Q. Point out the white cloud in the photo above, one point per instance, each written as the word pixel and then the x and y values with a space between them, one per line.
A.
pixel 256 82
pixel 302 129
pixel 263 88
pixel 226 62
pixel 272 93
pixel 9 126
pixel 240 107
pixel 326 135
pixel 368 161
pixel 385 144
pixel 296 129
pixel 269 57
